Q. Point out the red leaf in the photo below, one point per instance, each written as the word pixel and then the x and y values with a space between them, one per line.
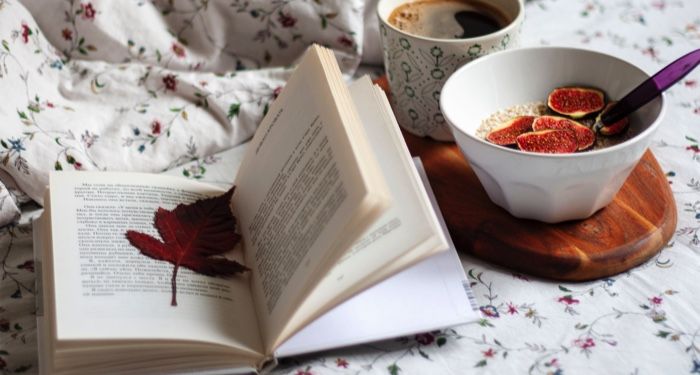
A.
pixel 194 236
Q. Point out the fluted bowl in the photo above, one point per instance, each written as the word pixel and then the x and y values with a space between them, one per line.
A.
pixel 546 187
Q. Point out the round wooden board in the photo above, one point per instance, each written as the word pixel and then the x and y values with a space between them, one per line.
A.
pixel 634 227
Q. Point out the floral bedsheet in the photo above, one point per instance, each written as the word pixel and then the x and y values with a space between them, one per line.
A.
pixel 167 86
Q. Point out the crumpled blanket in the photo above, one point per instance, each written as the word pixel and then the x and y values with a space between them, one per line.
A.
pixel 148 85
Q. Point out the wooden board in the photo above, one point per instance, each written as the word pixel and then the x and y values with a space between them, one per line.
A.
pixel 634 227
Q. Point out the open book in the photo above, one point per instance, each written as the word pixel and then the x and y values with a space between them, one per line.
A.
pixel 328 203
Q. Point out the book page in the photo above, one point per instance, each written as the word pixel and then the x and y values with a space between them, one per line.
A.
pixel 405 234
pixel 105 289
pixel 307 188
pixel 430 295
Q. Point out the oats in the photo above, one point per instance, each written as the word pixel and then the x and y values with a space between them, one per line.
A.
pixel 500 117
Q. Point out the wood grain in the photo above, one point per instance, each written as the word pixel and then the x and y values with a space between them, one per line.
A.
pixel 634 227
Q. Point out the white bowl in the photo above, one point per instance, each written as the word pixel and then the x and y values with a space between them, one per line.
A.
pixel 546 187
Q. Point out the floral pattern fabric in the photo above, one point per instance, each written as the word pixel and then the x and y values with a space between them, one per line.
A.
pixel 102 85
pixel 644 321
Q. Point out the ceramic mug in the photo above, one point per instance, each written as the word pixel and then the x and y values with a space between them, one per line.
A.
pixel 417 66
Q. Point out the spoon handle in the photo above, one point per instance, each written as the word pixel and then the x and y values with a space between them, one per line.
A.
pixel 652 87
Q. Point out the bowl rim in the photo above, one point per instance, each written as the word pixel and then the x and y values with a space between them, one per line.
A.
pixel 515 23
pixel 586 154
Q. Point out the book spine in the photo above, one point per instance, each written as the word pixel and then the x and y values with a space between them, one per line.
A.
pixel 266 365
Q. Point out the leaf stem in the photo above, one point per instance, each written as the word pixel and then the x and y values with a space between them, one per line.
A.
pixel 173 300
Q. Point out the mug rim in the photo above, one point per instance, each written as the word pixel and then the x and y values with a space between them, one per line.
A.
pixel 505 30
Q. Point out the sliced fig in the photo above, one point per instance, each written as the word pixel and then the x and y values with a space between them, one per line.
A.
pixel 576 102
pixel 550 141
pixel 613 129
pixel 585 137
pixel 506 133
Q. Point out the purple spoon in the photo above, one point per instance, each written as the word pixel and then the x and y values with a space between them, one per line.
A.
pixel 649 89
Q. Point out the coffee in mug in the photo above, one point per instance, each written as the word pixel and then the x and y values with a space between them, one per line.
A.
pixel 425 41
pixel 448 19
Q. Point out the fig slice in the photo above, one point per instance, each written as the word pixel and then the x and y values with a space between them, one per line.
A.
pixel 505 134
pixel 576 102
pixel 613 129
pixel 550 141
pixel 585 137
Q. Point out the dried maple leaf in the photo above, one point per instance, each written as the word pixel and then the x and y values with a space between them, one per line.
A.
pixel 194 236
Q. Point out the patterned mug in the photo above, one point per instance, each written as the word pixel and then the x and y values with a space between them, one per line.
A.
pixel 417 66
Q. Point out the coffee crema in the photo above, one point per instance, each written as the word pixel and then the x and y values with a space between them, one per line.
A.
pixel 448 19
